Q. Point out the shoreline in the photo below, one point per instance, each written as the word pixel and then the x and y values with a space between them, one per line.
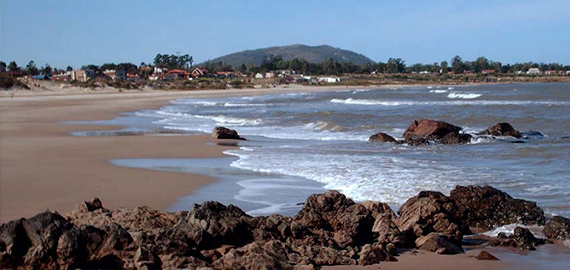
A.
pixel 41 161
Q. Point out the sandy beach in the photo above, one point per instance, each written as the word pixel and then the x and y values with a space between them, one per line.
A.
pixel 43 167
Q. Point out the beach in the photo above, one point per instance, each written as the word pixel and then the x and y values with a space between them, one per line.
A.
pixel 43 167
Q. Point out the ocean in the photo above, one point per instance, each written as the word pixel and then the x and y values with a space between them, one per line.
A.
pixel 304 143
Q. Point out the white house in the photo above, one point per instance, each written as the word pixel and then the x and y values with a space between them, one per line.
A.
pixel 533 71
pixel 259 76
pixel 329 79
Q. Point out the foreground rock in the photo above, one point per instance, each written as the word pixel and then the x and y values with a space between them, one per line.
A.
pixel 487 207
pixel 501 129
pixel 486 256
pixel 331 229
pixel 424 131
pixel 557 228
pixel 225 133
pixel 381 137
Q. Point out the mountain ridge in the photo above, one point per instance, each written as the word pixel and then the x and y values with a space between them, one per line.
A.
pixel 313 54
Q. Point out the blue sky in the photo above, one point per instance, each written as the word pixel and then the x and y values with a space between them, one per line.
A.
pixel 76 32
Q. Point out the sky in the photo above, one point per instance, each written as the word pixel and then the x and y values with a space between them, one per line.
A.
pixel 77 33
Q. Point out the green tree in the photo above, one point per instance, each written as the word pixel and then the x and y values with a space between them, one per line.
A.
pixel 480 64
pixel 443 66
pixel 395 65
pixel 47 70
pixel 31 68
pixel 13 66
pixel 2 66
pixel 69 68
pixel 457 64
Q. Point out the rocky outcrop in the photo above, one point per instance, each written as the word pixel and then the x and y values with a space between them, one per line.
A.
pixel 486 207
pixel 557 228
pixel 381 137
pixel 424 131
pixel 429 212
pixel 225 133
pixel 501 129
pixel 331 229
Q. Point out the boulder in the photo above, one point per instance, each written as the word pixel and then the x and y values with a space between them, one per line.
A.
pixel 371 254
pixel 486 256
pixel 429 212
pixel 525 239
pixel 501 129
pixel 225 133
pixel 557 227
pixel 487 207
pixel 438 243
pixel 424 131
pixel 381 137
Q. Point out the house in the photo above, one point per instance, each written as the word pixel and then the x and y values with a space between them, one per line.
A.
pixel 13 73
pixel 329 79
pixel 270 74
pixel 258 76
pixel 177 74
pixel 154 77
pixel 487 71
pixel 82 75
pixel 62 77
pixel 159 70
pixel 41 77
pixel 550 72
pixel 225 74
pixel 132 77
pixel 199 72
pixel 533 71
pixel 118 74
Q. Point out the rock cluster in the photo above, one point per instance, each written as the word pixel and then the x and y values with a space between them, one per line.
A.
pixel 331 229
pixel 424 131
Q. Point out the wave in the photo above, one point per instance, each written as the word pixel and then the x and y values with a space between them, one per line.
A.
pixel 350 101
pixel 322 125
pixel 438 91
pixel 463 96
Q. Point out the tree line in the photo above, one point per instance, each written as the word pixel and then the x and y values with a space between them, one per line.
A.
pixel 329 67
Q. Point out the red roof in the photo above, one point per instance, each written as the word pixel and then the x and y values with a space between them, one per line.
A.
pixel 178 71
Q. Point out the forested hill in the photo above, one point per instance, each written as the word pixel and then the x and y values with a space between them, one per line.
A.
pixel 313 54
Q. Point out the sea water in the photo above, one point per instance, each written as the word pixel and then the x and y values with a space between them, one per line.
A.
pixel 322 138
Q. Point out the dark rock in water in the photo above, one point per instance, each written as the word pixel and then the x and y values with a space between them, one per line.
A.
pixel 423 131
pixel 438 243
pixel 381 137
pixel 557 228
pixel 518 141
pixel 225 133
pixel 484 255
pixel 501 129
pixel 487 207
pixel 429 212
pixel 565 137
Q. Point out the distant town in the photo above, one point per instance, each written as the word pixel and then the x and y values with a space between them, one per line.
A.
pixel 177 72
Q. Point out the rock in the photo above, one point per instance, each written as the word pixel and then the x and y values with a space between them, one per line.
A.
pixel 332 219
pixel 525 239
pixel 557 227
pixel 486 207
pixel 486 256
pixel 371 254
pixel 429 212
pixel 532 133
pixel 438 243
pixel 381 137
pixel 146 260
pixel 501 129
pixel 388 232
pixel 227 225
pixel 423 131
pixel 14 243
pixel 225 133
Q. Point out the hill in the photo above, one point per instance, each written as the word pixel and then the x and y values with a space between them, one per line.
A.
pixel 313 54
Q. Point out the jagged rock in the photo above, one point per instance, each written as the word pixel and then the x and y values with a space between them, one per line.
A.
pixel 14 243
pixel 429 212
pixel 423 131
pixel 486 256
pixel 333 219
pixel 371 254
pixel 388 231
pixel 274 227
pixel 225 133
pixel 557 227
pixel 486 207
pixel 225 224
pixel 525 239
pixel 146 260
pixel 381 137
pixel 501 129
pixel 438 243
